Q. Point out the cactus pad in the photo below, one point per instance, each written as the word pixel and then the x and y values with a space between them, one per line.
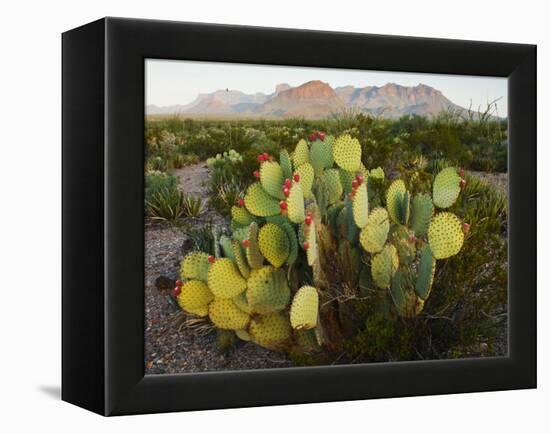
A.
pixel 406 208
pixel 406 249
pixel 445 235
pixel 421 215
pixel 404 299
pixel 360 206
pixel 301 153
pixel 375 233
pixel 253 254
pixel 306 178
pixel 308 234
pixel 285 225
pixel 268 290
pixel 347 153
pixel 259 202
pixel 304 310
pixel 394 200
pixel 333 184
pixel 226 315
pixel 241 216
pixel 271 178
pixel 307 340
pixel 286 164
pixel 242 303
pixel 195 266
pixel 426 270
pixel 195 297
pixel 271 331
pixel 346 178
pixel 240 258
pixel 242 335
pixel 446 187
pixel 384 265
pixel 274 244
pixel 320 155
pixel 295 202
pixel 377 173
pixel 224 279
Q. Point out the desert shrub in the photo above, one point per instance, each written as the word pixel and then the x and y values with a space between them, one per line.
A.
pixel 156 181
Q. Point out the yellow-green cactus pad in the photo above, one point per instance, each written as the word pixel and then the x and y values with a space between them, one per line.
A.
pixel 304 310
pixel 346 178
pixel 242 303
pixel 445 235
pixel 195 297
pixel 253 254
pixel 195 266
pixel 285 225
pixel 306 178
pixel 375 233
pixel 308 233
pixel 394 200
pixel 295 203
pixel 225 243
pixel 347 153
pixel 271 178
pixel 259 202
pixel 333 184
pixel 301 153
pixel 406 248
pixel 241 216
pixel 406 208
pixel 274 244
pixel 360 206
pixel 384 265
pixel 271 331
pixel 426 270
pixel 240 258
pixel 286 164
pixel 446 187
pixel 224 279
pixel 377 173
pixel 240 234
pixel 268 290
pixel 243 335
pixel 421 214
pixel 226 315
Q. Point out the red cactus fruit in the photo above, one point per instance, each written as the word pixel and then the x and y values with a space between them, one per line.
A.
pixel 305 245
pixel 179 283
pixel 288 183
pixel 176 291
pixel 211 259
pixel 308 220
pixel 240 202
pixel 354 184
pixel 246 243
pixel 286 191
pixel 360 179
pixel 465 228
pixel 256 174
pixel 297 177
pixel 312 137
pixel 265 156
pixel 411 238
pixel 261 158
pixel 321 135
pixel 461 173
pixel 462 183
pixel 283 204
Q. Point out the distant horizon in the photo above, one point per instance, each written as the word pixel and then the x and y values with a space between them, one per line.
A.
pixel 177 82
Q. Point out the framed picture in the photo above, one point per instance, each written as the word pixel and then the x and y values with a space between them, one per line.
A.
pixel 257 216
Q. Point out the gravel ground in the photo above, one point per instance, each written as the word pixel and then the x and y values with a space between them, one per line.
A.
pixel 175 342
pixel 499 180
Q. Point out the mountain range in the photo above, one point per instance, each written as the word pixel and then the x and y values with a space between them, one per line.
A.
pixel 316 100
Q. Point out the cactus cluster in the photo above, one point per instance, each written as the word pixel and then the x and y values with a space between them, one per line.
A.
pixel 305 233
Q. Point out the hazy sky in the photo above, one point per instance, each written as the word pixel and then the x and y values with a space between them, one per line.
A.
pixel 171 82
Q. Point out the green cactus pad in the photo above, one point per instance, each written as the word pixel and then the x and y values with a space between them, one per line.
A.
pixel 351 228
pixel 406 249
pixel 404 299
pixel 346 178
pixel 446 188
pixel 268 290
pixel 271 178
pixel 286 164
pixel 333 184
pixel 301 153
pixel 394 200
pixel 360 205
pixel 241 216
pixel 259 202
pixel 421 214
pixel 224 279
pixel 308 233
pixel 271 331
pixel 195 266
pixel 306 178
pixel 295 203
pixel 225 243
pixel 240 258
pixel 226 315
pixel 195 297
pixel 274 244
pixel 304 310
pixel 384 265
pixel 377 173
pixel 320 155
pixel 242 303
pixel 406 208
pixel 253 254
pixel 426 270
pixel 240 234
pixel 347 153
pixel 445 235
pixel 242 335
pixel 375 233
pixel 307 340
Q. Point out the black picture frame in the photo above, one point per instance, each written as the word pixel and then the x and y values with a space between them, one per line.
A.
pixel 103 223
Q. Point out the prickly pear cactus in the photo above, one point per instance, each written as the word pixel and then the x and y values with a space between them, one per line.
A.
pixel 304 309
